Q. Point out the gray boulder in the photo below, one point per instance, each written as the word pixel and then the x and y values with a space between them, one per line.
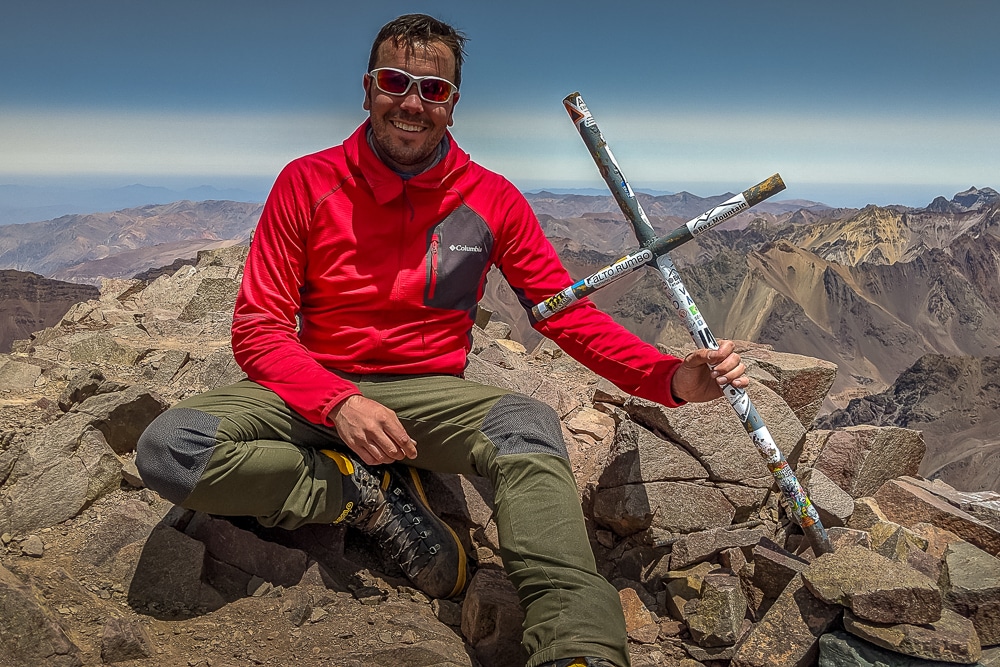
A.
pixel 874 587
pixel 671 507
pixel 840 649
pixel 60 470
pixel 713 434
pixel 970 580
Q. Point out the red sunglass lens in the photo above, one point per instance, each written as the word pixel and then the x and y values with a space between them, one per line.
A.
pixel 435 90
pixel 394 83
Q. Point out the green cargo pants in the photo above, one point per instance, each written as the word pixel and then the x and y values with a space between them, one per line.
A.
pixel 240 450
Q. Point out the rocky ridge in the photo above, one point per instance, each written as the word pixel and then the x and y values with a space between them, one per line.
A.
pixel 29 302
pixel 95 569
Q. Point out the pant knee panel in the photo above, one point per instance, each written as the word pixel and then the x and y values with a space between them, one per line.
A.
pixel 172 453
pixel 517 424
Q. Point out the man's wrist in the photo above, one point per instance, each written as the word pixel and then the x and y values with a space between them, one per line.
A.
pixel 334 411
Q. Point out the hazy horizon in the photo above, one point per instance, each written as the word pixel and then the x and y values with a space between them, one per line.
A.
pixel 854 103
pixel 36 194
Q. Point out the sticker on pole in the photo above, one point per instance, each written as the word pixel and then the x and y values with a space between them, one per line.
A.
pixel 578 111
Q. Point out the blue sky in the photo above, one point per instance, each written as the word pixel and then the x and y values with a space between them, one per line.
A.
pixel 853 102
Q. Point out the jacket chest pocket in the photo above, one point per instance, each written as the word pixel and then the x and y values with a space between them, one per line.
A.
pixel 456 260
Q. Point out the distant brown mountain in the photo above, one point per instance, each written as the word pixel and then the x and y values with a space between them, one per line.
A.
pixel 955 402
pixel 888 235
pixel 682 205
pixel 30 302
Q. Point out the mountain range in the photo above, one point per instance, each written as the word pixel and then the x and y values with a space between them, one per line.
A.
pixel 871 289
pixel 874 290
pixel 27 203
pixel 890 294
pixel 85 248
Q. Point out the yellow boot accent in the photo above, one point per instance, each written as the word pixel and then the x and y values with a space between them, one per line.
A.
pixel 346 467
pixel 343 463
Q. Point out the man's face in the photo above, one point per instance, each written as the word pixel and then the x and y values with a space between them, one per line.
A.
pixel 407 129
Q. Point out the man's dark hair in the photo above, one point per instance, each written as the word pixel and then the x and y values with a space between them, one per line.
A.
pixel 410 30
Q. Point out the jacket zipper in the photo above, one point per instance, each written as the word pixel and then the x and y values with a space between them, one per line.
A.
pixel 432 278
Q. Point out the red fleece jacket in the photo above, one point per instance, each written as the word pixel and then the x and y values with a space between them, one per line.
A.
pixel 353 268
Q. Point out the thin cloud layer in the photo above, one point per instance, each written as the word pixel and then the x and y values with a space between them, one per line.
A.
pixel 666 151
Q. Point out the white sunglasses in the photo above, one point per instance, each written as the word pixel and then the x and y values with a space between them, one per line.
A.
pixel 394 81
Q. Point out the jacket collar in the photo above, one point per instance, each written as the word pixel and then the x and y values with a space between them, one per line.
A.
pixel 385 183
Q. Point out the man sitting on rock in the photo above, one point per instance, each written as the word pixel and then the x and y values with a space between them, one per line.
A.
pixel 353 324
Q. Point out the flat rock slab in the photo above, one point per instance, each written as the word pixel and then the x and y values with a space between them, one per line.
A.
pixel 842 537
pixel 840 649
pixel 952 638
pixel 908 504
pixel 638 455
pixel 640 623
pixel 704 544
pixel 984 505
pixel 874 587
pixel 19 376
pixel 714 435
pixel 676 507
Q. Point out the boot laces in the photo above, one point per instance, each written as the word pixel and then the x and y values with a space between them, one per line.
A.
pixel 405 542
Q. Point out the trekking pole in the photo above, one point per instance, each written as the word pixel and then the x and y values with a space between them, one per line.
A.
pixel 647 254
pixel 798 505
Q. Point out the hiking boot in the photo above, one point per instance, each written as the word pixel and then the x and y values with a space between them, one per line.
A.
pixel 388 503
pixel 579 662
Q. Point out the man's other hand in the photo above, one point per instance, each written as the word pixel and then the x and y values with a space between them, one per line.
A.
pixel 372 431
pixel 703 374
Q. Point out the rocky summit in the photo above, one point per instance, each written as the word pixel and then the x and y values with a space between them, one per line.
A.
pixel 684 517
